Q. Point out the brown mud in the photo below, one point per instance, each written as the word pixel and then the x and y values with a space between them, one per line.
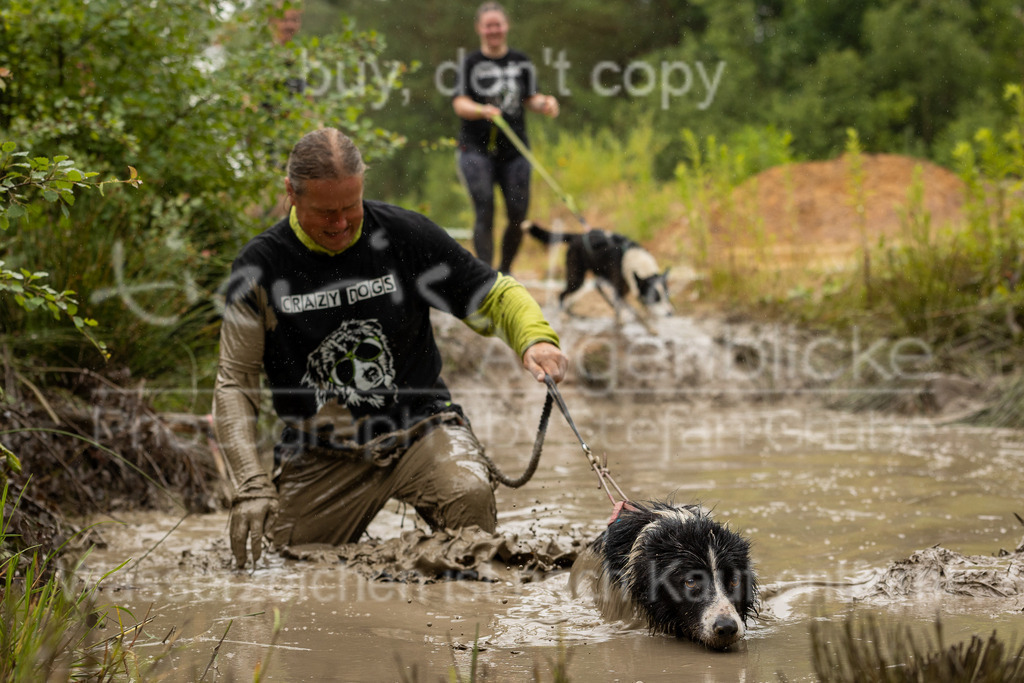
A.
pixel 468 554
pixel 940 571
pixel 834 502
pixel 896 514
pixel 815 212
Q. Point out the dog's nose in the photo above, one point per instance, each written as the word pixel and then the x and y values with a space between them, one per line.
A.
pixel 725 626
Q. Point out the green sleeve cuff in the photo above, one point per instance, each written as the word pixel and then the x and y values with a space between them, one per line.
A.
pixel 511 314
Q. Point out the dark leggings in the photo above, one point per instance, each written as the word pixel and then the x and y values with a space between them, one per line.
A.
pixel 480 173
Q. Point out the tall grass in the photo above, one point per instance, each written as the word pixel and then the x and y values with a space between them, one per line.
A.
pixel 965 286
pixel 866 653
pixel 928 277
pixel 729 243
pixel 611 179
pixel 50 623
pixel 859 200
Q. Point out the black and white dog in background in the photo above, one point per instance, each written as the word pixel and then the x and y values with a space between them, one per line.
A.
pixel 673 569
pixel 613 258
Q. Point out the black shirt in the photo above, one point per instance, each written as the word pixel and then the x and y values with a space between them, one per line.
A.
pixel 505 83
pixel 354 328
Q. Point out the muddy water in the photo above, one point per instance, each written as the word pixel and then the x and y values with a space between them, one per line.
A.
pixel 826 497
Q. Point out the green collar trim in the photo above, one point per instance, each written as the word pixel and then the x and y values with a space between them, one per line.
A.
pixel 307 241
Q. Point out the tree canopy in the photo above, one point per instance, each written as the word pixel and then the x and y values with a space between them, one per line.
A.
pixel 195 95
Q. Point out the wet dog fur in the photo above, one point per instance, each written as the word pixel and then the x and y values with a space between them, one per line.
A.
pixel 673 569
pixel 622 263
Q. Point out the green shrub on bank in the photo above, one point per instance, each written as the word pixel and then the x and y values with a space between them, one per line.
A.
pixel 963 286
pixel 25 182
pixel 191 93
pixel 949 285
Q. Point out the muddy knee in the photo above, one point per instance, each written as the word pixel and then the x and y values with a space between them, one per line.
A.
pixel 469 501
pixel 445 477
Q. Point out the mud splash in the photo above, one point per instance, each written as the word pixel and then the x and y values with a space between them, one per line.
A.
pixel 940 571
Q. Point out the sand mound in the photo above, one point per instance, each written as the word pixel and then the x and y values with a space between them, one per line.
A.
pixel 817 201
pixel 813 206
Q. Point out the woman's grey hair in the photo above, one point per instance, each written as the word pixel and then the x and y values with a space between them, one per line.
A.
pixel 490 6
pixel 325 154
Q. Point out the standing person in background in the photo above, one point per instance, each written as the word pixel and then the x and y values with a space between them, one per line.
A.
pixel 496 80
pixel 285 25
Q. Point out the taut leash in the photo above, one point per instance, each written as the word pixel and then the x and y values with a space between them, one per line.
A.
pixel 570 203
pixel 600 468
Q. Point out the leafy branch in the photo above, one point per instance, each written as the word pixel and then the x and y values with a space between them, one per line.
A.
pixel 56 179
pixel 30 293
pixel 23 178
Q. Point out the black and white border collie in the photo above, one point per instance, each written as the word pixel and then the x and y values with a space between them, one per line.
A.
pixel 673 569
pixel 614 258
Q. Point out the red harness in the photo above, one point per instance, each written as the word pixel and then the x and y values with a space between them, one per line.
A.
pixel 617 510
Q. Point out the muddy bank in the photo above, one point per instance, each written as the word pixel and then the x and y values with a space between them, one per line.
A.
pixel 717 360
pixel 93 445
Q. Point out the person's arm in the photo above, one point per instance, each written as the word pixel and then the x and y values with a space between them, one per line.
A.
pixel 467 108
pixel 235 411
pixel 543 104
pixel 510 313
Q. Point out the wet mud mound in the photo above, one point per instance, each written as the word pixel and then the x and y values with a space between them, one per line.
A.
pixel 419 556
pixel 938 571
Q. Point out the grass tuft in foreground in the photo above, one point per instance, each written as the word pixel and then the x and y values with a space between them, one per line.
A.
pixel 50 624
pixel 864 652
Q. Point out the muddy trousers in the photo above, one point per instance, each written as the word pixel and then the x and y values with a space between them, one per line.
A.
pixel 480 173
pixel 331 497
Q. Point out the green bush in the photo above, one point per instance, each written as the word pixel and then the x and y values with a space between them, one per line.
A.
pixel 948 286
pixel 24 180
pixel 192 94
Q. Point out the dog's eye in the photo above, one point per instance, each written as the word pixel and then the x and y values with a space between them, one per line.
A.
pixel 734 582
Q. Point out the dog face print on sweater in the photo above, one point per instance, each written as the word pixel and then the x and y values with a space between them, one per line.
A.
pixel 354 364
